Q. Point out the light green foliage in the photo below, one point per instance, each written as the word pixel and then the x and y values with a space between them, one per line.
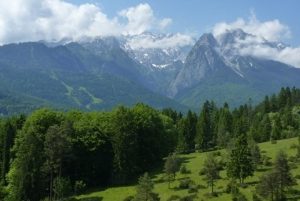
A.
pixel 172 166
pixel 240 164
pixel 144 189
pixel 211 170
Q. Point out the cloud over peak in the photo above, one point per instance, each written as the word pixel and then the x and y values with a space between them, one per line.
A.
pixel 272 30
pixel 53 20
pixel 263 39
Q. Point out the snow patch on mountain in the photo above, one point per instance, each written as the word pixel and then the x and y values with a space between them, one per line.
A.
pixel 157 50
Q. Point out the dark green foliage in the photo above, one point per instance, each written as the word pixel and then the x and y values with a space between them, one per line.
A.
pixel 139 138
pixel 184 170
pixel 93 148
pixel 186 133
pixel 239 197
pixel 232 187
pixel 57 145
pixel 79 187
pixel 282 172
pixel 274 183
pixel 205 127
pixel 128 198
pixel 173 198
pixel 255 154
pixel 268 185
pixel 61 188
pixel 8 132
pixel 255 197
pixel 186 183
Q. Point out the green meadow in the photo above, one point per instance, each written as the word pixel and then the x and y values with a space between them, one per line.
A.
pixel 194 163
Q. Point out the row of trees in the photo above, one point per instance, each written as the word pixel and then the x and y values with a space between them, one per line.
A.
pixel 275 118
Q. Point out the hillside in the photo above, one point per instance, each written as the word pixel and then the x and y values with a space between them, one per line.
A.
pixel 66 77
pixel 194 163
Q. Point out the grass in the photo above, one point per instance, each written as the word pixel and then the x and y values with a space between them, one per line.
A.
pixel 194 163
pixel 95 100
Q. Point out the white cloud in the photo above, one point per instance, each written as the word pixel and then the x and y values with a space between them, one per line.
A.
pixel 270 30
pixel 286 55
pixel 34 20
pixel 147 41
pixel 257 44
pixel 165 23
pixel 140 19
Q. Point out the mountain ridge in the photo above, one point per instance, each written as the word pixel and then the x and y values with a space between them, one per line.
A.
pixel 102 72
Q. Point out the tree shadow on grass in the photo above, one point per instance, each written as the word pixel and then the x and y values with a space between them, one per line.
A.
pixel 295 194
pixel 263 169
pixel 251 183
pixel 185 159
pixel 91 199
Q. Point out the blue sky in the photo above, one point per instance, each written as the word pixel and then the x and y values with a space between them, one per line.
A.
pixel 200 16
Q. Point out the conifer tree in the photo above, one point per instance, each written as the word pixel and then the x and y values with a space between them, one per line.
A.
pixel 203 129
pixel 144 190
pixel 240 165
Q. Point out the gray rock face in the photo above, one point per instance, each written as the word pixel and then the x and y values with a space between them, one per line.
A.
pixel 202 60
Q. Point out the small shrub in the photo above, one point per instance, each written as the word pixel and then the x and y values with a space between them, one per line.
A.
pixel 221 165
pixel 62 187
pixel 173 198
pixel 211 195
pixel 184 170
pixel 293 159
pixel 232 187
pixel 216 153
pixel 293 166
pixel 293 191
pixel 266 161
pixel 186 183
pixel 188 198
pixel 70 199
pixel 79 187
pixel 297 176
pixel 294 146
pixel 129 198
pixel 255 197
pixel 200 186
pixel 193 189
pixel 91 199
pixel 202 172
pixel 273 141
pixel 239 197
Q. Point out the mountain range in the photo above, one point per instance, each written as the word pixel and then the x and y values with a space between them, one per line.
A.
pixel 100 73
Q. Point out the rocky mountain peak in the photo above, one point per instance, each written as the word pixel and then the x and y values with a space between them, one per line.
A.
pixel 207 39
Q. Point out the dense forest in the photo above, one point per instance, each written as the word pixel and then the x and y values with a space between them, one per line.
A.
pixel 51 154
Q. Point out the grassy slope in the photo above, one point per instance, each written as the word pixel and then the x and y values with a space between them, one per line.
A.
pixel 194 163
